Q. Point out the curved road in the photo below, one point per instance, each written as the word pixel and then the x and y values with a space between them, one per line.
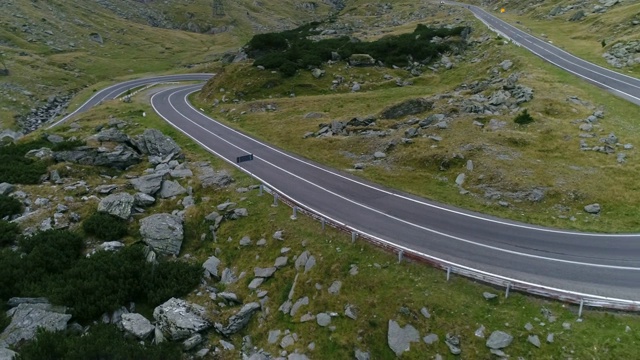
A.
pixel 590 265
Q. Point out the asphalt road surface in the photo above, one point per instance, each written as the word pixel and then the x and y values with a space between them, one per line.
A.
pixel 598 265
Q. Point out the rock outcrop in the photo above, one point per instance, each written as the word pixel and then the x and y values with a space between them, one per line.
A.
pixel 163 232
pixel 178 319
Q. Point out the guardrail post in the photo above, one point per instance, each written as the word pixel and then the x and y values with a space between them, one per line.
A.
pixel 295 213
pixel 580 310
pixel 353 236
pixel 275 199
pixel 322 221
pixel 506 293
pixel 400 254
pixel 448 272
pixel 260 190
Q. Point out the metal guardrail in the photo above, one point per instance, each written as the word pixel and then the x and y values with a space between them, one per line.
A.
pixel 508 284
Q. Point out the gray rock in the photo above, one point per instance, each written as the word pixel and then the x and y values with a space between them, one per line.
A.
pixel 178 319
pixel 6 188
pixel 227 345
pixel 279 235
pixel 137 325
pixel 425 312
pixel 287 341
pixel 264 272
pixel 6 354
pixel 409 107
pixel 15 301
pixel 181 173
pixel 310 263
pixel 238 213
pixel 317 73
pixel 171 188
pixel 379 155
pixel 188 202
pixel 534 340
pixel 453 343
pixel 229 297
pixel 211 266
pixel 334 289
pixel 550 337
pixel 192 342
pixel 362 355
pixel 111 135
pixel 245 241
pixel 239 320
pixel 499 340
pixel 255 283
pixel 430 339
pixel 111 245
pixel 228 277
pixel 528 326
pixel 56 139
pixel 361 60
pixel 163 232
pixel 323 319
pixel 119 205
pixel 298 304
pixel 592 208
pixel 281 262
pixel 355 87
pixel 274 335
pixel 296 356
pixel 489 296
pixel 460 179
pixel 307 317
pixel 155 143
pixel 351 312
pixel 27 318
pixel 210 178
pixel 566 326
pixel 142 199
pixel 121 157
pixel 400 339
pixel 506 65
pixel 302 259
pixel 148 184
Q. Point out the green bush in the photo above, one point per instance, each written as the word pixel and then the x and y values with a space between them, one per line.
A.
pixel 9 206
pixel 4 320
pixel 101 342
pixel 523 118
pixel 171 279
pixel 8 232
pixel 291 50
pixel 49 253
pixel 105 227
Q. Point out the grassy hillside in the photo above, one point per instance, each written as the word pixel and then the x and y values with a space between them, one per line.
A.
pixel 57 47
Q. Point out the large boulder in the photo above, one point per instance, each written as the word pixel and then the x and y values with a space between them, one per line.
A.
pixel 211 267
pixel 6 188
pixel 148 184
pixel 137 325
pixel 400 339
pixel 211 178
pixel 178 319
pixel 111 135
pixel 121 157
pixel 361 60
pixel 238 321
pixel 170 189
pixel 163 232
pixel 27 318
pixel 119 205
pixel 6 354
pixel 154 143
pixel 409 107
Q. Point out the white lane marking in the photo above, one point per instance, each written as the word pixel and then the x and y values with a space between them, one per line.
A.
pixel 134 82
pixel 427 256
pixel 188 91
pixel 522 226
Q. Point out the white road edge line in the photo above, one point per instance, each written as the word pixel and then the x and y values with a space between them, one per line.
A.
pixel 188 91
pixel 442 261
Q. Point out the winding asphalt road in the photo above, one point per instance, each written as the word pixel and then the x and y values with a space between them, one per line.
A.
pixel 588 265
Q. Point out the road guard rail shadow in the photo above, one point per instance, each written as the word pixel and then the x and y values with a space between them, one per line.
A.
pixel 509 284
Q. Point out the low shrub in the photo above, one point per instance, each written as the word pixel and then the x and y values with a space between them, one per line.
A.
pixel 105 227
pixel 8 232
pixel 101 342
pixel 9 206
pixel 523 118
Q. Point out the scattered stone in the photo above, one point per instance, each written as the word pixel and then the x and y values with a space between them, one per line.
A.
pixel 137 325
pixel 362 355
pixel 192 342
pixel 550 337
pixel 163 232
pixel 592 208
pixel 310 263
pixel 425 312
pixel 239 320
pixel 264 272
pixel 118 205
pixel 430 339
pixel 6 188
pixel 453 343
pixel 409 107
pixel 499 340
pixel 142 199
pixel 323 319
pixel 228 277
pixel 534 340
pixel 480 332
pixel 281 261
pixel 566 326
pixel 400 339
pixel 227 345
pixel 350 312
pixel 171 188
pixel 489 296
pixel 155 143
pixel 279 235
pixel 528 326
pixel 287 341
pixel 334 289
pixel 178 319
pixel 245 241
pixel 379 155
pixel 274 335
pixel 211 267
pixel 111 245
pixel 298 304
